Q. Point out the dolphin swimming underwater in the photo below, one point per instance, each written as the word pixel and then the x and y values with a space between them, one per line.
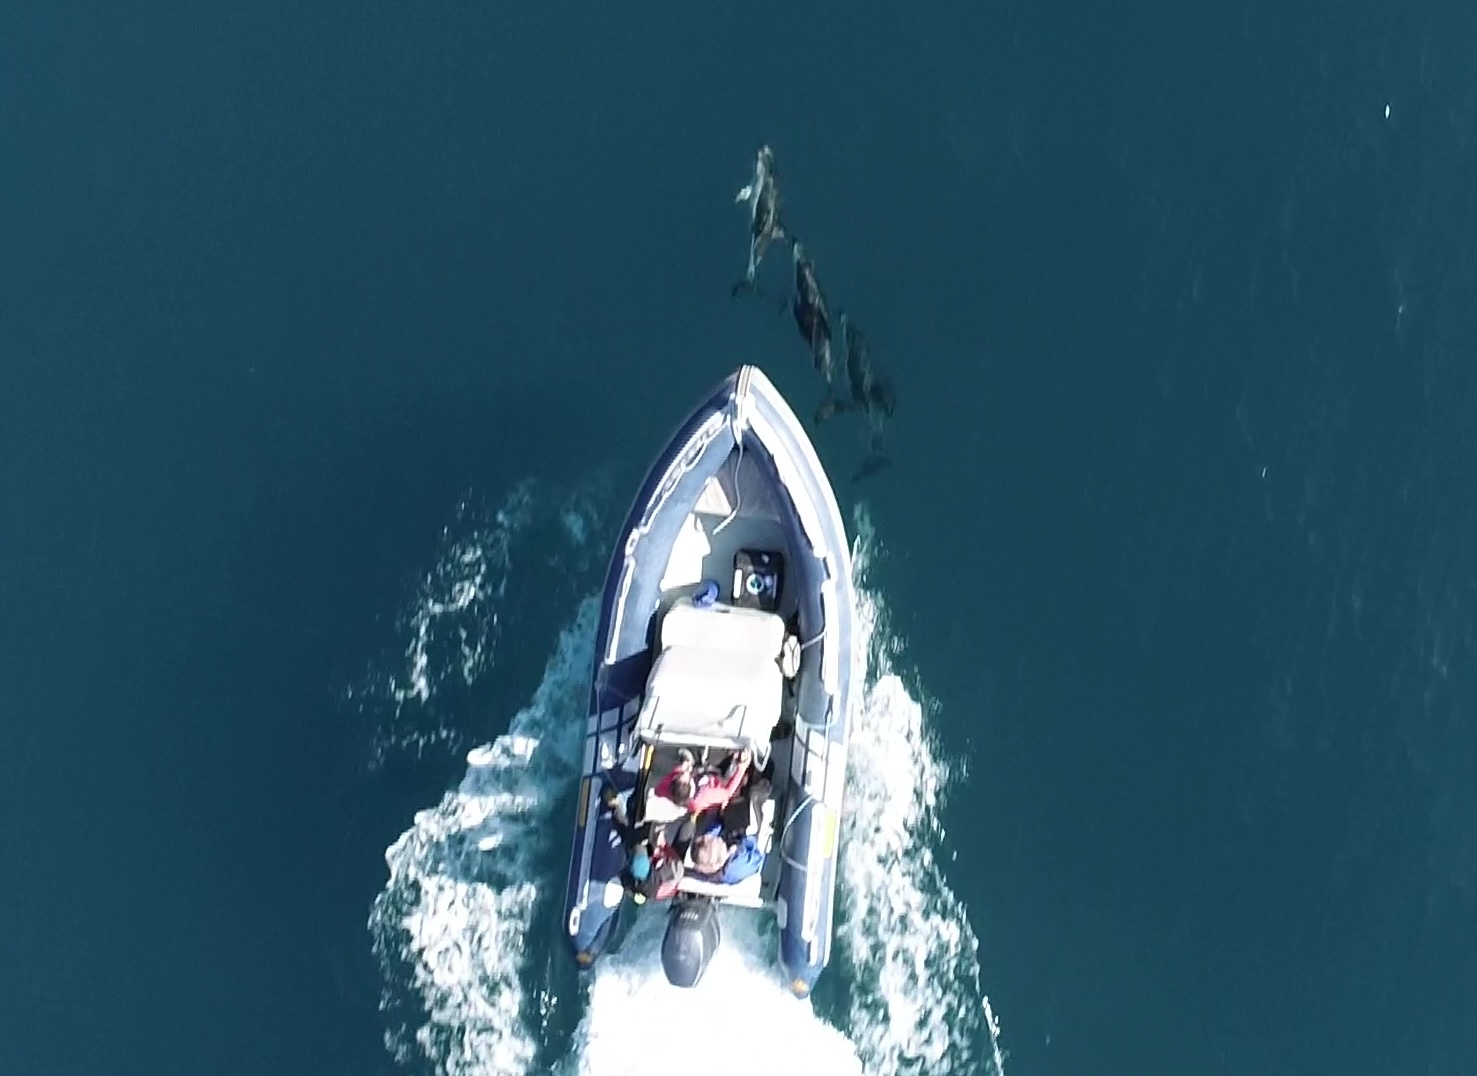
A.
pixel 812 316
pixel 871 393
pixel 763 198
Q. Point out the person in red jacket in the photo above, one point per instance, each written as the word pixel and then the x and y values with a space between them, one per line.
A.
pixel 704 791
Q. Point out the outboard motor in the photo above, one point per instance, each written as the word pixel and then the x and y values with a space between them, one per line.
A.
pixel 691 940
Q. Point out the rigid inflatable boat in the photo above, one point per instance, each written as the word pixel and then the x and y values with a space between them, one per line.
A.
pixel 727 625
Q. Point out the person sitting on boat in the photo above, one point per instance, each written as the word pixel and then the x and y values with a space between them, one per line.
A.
pixel 654 876
pixel 715 861
pixel 699 792
pixel 653 867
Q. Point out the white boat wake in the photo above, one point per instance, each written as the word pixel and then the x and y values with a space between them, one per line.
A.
pixel 733 1020
pixel 476 982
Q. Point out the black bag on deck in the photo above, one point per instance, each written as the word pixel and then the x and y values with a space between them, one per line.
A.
pixel 757 578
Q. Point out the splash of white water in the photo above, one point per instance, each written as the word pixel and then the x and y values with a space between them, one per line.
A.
pixel 453 627
pixel 464 879
pixel 467 879
pixel 742 1014
pixel 904 933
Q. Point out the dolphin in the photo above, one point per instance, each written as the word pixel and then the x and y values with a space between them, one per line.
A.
pixel 811 314
pixel 763 198
pixel 871 392
pixel 871 388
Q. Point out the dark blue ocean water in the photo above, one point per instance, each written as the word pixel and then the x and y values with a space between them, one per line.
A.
pixel 333 339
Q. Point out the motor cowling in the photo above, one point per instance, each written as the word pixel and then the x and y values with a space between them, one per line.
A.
pixel 691 940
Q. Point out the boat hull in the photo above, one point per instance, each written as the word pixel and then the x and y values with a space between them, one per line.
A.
pixel 745 419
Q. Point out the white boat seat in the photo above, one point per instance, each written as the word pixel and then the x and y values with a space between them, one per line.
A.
pixel 745 894
pixel 723 627
pixel 708 697
pixel 716 680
